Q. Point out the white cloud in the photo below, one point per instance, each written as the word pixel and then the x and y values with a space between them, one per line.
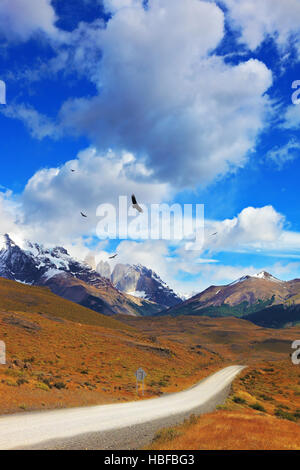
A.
pixel 19 19
pixel 258 19
pixel 292 117
pixel 39 125
pixel 162 94
pixel 286 153
pixel 53 198
pixel 197 276
pixel 224 274
pixel 48 211
pixel 113 6
pixel 251 230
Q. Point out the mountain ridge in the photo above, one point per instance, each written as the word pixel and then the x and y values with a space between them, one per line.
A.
pixel 68 278
pixel 245 298
pixel 140 281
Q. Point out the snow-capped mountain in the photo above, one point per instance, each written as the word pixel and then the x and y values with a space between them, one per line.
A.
pixel 241 298
pixel 36 265
pixel 139 281
pixel 267 276
pixel 260 275
pixel 67 277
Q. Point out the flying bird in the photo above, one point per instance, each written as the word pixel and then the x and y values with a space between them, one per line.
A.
pixel 214 234
pixel 83 215
pixel 135 204
pixel 112 257
pixel 72 170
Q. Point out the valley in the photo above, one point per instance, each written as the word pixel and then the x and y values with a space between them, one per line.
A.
pixel 75 339
pixel 60 354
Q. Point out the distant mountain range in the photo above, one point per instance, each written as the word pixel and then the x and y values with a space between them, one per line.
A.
pixel 76 281
pixel 139 281
pixel 139 291
pixel 262 299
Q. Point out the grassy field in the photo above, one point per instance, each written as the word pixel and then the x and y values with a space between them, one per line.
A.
pixel 230 430
pixel 60 354
pixel 233 340
pixel 262 412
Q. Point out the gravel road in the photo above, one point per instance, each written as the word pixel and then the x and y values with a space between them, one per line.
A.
pixel 124 426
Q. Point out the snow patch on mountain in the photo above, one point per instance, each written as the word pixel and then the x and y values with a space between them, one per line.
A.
pixel 35 264
pixel 261 275
pixel 241 279
pixel 267 276
pixel 138 293
pixel 51 273
pixel 141 282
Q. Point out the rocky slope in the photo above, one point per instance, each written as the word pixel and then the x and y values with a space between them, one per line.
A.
pixel 139 281
pixel 246 297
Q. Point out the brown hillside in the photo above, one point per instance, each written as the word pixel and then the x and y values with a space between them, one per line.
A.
pixel 60 354
pixel 103 298
pixel 249 290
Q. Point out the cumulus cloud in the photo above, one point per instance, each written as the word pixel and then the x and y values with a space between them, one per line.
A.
pixel 162 93
pixel 253 228
pixel 48 211
pixel 53 198
pixel 258 19
pixel 224 274
pixel 185 274
pixel 19 19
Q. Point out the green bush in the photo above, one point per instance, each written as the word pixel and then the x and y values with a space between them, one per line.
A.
pixel 42 386
pixel 60 385
pixel 280 413
pixel 165 435
pixel 257 406
pixel 239 400
pixel 22 381
pixel 266 397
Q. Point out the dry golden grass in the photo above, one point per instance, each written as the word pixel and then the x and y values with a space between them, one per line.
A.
pixel 272 388
pixel 16 297
pixel 270 383
pixel 233 339
pixel 275 386
pixel 61 354
pixel 230 430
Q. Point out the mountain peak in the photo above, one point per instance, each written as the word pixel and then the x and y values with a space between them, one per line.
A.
pixel 261 275
pixel 140 281
pixel 8 241
pixel 266 275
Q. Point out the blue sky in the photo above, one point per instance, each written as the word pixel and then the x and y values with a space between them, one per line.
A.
pixel 197 93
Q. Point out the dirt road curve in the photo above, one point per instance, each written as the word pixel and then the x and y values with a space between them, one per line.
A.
pixel 117 426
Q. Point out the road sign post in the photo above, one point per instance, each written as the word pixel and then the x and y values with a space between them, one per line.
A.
pixel 140 377
pixel 2 353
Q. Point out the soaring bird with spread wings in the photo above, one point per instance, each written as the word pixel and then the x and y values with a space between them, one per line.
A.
pixel 135 204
